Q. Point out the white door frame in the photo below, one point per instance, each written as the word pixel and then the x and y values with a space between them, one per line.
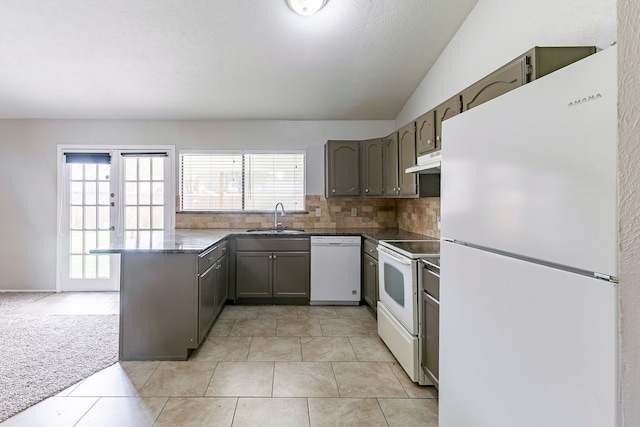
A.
pixel 117 179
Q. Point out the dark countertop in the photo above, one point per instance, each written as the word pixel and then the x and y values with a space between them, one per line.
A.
pixel 197 240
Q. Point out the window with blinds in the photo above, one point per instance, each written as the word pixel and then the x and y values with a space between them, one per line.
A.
pixel 247 181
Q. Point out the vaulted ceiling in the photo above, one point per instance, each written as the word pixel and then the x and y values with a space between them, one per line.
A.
pixel 218 59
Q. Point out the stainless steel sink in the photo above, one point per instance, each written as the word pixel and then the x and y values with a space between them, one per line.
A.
pixel 276 230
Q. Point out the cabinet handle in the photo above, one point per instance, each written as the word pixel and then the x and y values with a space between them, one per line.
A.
pixel 370 263
pixel 366 190
pixel 224 249
pixel 210 259
pixel 274 257
pixel 370 251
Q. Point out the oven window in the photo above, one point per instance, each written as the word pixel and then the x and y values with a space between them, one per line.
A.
pixel 394 284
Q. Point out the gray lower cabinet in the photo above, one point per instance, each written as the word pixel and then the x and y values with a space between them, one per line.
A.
pixel 370 273
pixel 168 301
pixel 272 267
pixel 430 322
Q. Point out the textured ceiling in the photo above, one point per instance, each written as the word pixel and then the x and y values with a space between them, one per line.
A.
pixel 218 59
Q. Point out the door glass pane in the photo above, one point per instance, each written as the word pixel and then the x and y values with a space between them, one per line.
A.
pixel 157 168
pixel 131 193
pixel 145 217
pixel 394 284
pixel 144 168
pixel 158 193
pixel 157 213
pixel 131 217
pixel 90 218
pixel 131 168
pixel 90 172
pixel 76 193
pixel 76 217
pixel 90 193
pixel 145 193
pixel 104 218
pixel 103 193
pixel 77 242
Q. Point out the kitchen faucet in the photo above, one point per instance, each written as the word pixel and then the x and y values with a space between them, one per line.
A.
pixel 277 224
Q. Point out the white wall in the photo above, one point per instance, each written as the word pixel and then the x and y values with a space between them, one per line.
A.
pixel 28 171
pixel 497 31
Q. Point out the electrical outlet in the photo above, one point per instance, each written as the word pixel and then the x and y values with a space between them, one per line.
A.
pixel 354 212
pixel 434 217
pixel 318 212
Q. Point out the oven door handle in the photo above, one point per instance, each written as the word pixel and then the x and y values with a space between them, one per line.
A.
pixel 399 258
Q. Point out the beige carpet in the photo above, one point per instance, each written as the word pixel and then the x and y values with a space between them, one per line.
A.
pixel 41 355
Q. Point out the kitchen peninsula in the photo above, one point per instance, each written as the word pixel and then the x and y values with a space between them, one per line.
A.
pixel 174 285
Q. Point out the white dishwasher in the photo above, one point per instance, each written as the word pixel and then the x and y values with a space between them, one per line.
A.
pixel 335 270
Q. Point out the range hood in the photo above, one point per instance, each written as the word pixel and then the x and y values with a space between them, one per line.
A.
pixel 429 163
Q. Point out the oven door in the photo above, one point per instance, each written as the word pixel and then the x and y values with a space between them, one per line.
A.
pixel 397 276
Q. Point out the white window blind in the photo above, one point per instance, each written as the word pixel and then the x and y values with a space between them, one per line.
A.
pixel 242 181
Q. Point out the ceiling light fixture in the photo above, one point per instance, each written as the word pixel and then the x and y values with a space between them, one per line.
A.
pixel 306 7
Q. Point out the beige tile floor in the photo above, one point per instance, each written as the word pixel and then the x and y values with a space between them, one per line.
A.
pixel 259 366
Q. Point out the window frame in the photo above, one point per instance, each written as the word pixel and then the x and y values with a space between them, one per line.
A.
pixel 242 153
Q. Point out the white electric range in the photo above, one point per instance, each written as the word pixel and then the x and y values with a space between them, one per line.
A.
pixel 398 317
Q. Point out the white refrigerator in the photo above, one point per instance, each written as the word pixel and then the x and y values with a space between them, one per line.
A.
pixel 528 303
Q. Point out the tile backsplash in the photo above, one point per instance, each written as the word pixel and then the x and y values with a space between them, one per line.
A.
pixel 407 214
pixel 417 215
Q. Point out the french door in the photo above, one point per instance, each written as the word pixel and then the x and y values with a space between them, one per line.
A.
pixel 104 195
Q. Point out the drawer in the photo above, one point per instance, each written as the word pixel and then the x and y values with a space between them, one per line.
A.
pixel 370 247
pixel 207 258
pixel 272 244
pixel 223 249
pixel 430 281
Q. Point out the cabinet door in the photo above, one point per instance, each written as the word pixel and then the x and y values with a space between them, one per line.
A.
pixel 370 280
pixel 446 110
pixel 430 361
pixel 222 283
pixel 342 168
pixel 503 80
pixel 390 158
pixel 253 274
pixel 372 168
pixel 407 150
pixel 425 133
pixel 291 274
pixel 206 301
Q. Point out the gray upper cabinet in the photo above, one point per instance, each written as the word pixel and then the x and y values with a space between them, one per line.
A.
pixel 507 78
pixel 447 109
pixel 407 156
pixel 342 169
pixel 425 133
pixel 533 64
pixel 391 165
pixel 372 167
